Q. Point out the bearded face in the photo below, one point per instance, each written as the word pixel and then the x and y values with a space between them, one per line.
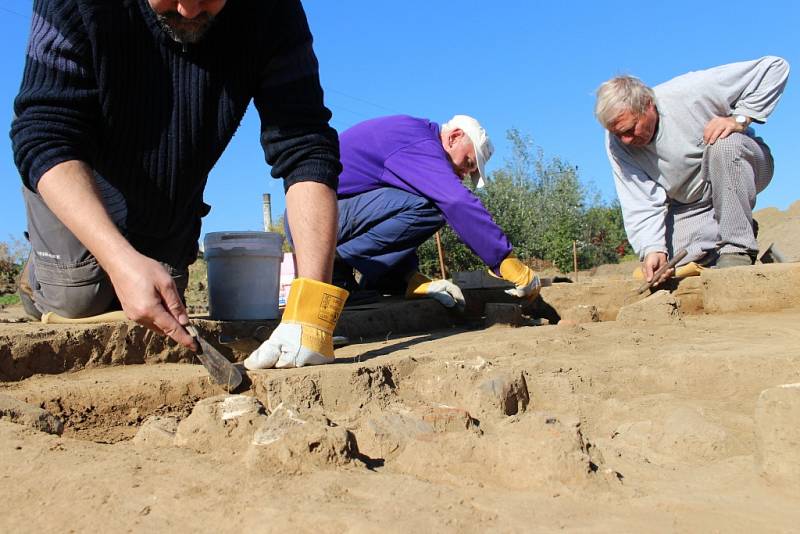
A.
pixel 185 30
pixel 186 21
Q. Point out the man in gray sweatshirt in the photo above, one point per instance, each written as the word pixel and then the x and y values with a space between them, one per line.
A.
pixel 687 166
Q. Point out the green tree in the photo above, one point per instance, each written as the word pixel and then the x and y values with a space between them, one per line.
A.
pixel 278 227
pixel 542 207
pixel 604 239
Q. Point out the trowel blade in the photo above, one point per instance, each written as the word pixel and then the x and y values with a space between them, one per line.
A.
pixel 218 366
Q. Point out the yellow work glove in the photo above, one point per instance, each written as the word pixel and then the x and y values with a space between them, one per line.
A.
pixel 305 335
pixel 446 293
pixel 526 282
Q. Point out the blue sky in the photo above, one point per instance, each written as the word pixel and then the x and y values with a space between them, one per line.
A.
pixel 524 64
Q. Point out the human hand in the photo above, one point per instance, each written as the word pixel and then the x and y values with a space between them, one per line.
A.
pixel 526 282
pixel 444 292
pixel 149 296
pixel 720 128
pixel 305 335
pixel 652 263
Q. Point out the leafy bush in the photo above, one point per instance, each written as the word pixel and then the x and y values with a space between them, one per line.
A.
pixel 12 257
pixel 9 299
pixel 541 206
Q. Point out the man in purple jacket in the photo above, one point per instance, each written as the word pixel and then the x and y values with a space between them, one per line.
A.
pixel 402 181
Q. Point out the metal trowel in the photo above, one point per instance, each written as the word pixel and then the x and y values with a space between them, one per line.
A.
pixel 218 366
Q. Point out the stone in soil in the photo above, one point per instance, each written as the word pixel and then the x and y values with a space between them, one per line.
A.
pixel 157 431
pixel 290 443
pixel 26 414
pixel 221 423
pixel 502 394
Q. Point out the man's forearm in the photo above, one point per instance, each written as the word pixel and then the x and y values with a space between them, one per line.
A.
pixel 144 288
pixel 69 191
pixel 313 218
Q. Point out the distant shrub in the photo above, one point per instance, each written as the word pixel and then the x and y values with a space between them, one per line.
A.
pixel 12 258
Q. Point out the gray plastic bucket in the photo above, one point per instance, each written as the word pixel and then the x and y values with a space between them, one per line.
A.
pixel 243 274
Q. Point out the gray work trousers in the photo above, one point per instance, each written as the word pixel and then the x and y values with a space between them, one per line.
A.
pixel 64 275
pixel 735 169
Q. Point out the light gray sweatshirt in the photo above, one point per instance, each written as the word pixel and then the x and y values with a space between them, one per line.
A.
pixel 669 167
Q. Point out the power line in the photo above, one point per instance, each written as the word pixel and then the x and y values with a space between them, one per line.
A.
pixel 348 110
pixel 14 12
pixel 359 99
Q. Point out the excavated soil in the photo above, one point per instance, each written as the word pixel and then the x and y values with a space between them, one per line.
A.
pixel 675 411
pixel 667 419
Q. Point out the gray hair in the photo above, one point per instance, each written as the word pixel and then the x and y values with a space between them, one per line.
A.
pixel 446 128
pixel 620 94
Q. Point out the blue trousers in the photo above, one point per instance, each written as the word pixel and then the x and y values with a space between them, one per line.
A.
pixel 379 232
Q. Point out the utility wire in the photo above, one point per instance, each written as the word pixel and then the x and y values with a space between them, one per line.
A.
pixel 358 99
pixel 338 108
pixel 348 110
pixel 13 12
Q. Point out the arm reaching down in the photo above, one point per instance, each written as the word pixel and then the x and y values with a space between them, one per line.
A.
pixel 145 289
pixel 313 230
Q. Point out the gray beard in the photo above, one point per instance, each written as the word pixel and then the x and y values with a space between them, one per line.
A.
pixel 173 24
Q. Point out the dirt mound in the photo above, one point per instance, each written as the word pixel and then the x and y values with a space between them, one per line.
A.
pixel 781 228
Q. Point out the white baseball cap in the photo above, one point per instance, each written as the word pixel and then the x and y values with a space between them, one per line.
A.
pixel 483 145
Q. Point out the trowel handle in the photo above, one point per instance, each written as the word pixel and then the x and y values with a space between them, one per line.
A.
pixel 664 268
pixel 108 317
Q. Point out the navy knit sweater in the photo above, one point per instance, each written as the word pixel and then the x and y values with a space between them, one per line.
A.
pixel 104 84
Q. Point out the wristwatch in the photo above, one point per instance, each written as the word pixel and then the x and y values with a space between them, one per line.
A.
pixel 744 120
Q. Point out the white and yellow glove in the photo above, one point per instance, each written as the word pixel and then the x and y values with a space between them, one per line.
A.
pixel 446 293
pixel 305 335
pixel 526 282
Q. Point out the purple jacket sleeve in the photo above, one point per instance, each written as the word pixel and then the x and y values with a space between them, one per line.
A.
pixel 422 169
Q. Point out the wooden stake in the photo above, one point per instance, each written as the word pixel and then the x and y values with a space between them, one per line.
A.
pixel 441 255
pixel 575 258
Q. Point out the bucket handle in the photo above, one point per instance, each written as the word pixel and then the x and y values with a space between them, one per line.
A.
pixel 234 236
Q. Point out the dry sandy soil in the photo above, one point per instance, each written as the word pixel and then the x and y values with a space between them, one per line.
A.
pixel 678 412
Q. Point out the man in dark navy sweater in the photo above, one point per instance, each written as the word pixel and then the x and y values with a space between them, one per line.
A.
pixel 124 108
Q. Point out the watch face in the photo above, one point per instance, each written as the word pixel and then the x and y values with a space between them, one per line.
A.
pixel 741 119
